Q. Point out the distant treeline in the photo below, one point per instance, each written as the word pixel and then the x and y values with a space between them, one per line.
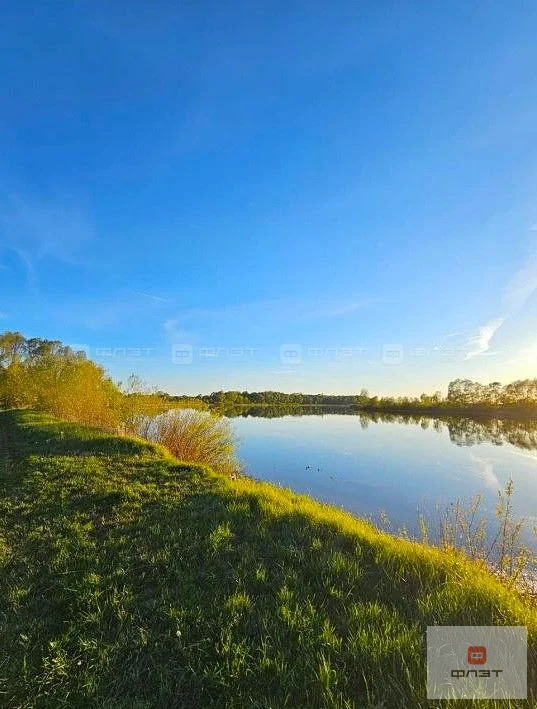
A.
pixel 276 398
pixel 462 395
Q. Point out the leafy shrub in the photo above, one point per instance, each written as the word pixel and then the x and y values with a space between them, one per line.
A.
pixel 193 436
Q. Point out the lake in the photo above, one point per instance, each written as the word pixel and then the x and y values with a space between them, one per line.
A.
pixel 401 465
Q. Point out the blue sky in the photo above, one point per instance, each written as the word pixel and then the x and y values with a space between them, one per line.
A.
pixel 305 196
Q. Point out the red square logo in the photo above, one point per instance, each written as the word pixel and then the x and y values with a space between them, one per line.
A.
pixel 477 655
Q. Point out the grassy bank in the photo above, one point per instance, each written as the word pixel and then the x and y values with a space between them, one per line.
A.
pixel 130 580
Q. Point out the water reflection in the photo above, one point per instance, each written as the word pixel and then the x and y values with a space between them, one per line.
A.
pixel 463 431
pixel 405 465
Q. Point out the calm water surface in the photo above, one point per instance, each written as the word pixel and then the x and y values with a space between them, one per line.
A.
pixel 366 466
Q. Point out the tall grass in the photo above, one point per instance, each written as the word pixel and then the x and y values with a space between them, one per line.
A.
pixel 192 436
pixel 463 526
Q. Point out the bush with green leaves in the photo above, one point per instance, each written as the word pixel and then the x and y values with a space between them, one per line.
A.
pixel 193 436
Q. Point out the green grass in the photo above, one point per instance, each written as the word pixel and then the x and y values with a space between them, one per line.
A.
pixel 130 580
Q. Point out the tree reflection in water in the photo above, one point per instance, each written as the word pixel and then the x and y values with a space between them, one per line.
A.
pixel 463 431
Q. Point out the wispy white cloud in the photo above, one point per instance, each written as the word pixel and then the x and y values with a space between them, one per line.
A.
pixel 35 230
pixel 515 295
pixel 480 344
pixel 150 296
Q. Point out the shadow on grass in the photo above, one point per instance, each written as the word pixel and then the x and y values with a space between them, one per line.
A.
pixel 41 434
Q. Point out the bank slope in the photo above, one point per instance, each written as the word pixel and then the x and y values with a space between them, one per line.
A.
pixel 130 580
